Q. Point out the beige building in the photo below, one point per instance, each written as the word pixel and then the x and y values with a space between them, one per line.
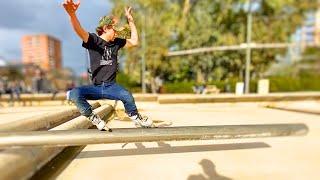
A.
pixel 317 27
pixel 42 50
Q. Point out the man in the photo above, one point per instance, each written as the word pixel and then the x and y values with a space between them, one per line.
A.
pixel 103 50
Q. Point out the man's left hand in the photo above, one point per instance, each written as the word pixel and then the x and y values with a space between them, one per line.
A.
pixel 128 14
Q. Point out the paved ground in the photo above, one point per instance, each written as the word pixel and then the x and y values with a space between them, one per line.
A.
pixel 263 158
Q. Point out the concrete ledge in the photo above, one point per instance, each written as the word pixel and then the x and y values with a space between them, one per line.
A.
pixel 224 98
pixel 43 122
pixel 23 163
pixel 62 97
pixel 126 135
pixel 36 97
pixel 145 97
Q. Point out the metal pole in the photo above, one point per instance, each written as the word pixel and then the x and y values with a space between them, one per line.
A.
pixel 235 48
pixel 126 135
pixel 143 60
pixel 248 53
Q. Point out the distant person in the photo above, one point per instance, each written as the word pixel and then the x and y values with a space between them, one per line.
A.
pixel 2 88
pixel 158 84
pixel 14 91
pixel 103 49
pixel 199 89
pixel 54 89
pixel 203 89
pixel 40 85
pixel 39 82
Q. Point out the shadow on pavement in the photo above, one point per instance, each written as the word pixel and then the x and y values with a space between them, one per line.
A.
pixel 209 170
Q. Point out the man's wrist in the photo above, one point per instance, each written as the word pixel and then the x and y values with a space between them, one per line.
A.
pixel 72 14
pixel 130 19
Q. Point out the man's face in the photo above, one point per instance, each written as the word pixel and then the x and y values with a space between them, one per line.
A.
pixel 110 32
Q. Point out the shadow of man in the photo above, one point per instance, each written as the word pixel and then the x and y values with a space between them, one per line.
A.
pixel 210 172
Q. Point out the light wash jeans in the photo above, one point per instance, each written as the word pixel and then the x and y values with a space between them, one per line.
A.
pixel 112 91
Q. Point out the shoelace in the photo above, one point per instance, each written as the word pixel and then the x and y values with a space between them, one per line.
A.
pixel 95 119
pixel 141 118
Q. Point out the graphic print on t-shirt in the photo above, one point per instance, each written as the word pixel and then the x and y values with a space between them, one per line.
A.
pixel 106 59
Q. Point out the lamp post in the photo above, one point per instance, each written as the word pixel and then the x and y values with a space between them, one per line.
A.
pixel 143 58
pixel 248 51
pixel 251 6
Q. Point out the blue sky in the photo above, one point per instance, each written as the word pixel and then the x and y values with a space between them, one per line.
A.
pixel 20 17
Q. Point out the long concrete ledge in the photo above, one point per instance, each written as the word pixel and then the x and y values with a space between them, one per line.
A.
pixel 125 135
pixel 174 99
pixel 37 97
pixel 145 97
pixel 187 98
pixel 62 97
pixel 23 163
pixel 43 122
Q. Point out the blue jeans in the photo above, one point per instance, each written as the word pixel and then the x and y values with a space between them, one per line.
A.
pixel 113 91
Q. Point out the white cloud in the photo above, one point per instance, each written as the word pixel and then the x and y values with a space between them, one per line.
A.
pixel 10 43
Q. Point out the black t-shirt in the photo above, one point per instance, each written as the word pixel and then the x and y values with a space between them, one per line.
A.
pixel 103 58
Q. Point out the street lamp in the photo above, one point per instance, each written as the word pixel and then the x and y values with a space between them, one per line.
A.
pixel 143 58
pixel 250 7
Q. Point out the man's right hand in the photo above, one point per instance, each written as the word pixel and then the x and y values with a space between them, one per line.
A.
pixel 71 9
pixel 70 6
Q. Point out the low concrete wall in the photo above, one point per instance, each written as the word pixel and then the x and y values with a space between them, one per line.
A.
pixel 225 98
pixel 26 99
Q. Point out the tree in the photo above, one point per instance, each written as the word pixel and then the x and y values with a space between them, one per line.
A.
pixel 186 24
pixel 13 73
pixel 157 19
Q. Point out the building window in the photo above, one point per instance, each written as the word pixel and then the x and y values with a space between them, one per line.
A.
pixel 52 63
pixel 35 41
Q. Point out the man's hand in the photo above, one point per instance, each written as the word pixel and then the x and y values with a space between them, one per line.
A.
pixel 71 9
pixel 128 14
pixel 134 40
pixel 70 6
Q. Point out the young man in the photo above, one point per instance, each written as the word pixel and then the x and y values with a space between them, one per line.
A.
pixel 103 50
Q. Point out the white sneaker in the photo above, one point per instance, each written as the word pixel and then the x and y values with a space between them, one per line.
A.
pixel 141 121
pixel 98 122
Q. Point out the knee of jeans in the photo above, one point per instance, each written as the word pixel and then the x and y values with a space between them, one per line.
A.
pixel 126 96
pixel 74 94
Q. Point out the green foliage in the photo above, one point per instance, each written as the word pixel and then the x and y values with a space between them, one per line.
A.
pixel 14 73
pixel 182 87
pixel 156 18
pixel 125 81
pixel 301 76
pixel 186 87
pixel 289 83
pixel 186 24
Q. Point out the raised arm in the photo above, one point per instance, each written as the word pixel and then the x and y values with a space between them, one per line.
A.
pixel 71 9
pixel 134 40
